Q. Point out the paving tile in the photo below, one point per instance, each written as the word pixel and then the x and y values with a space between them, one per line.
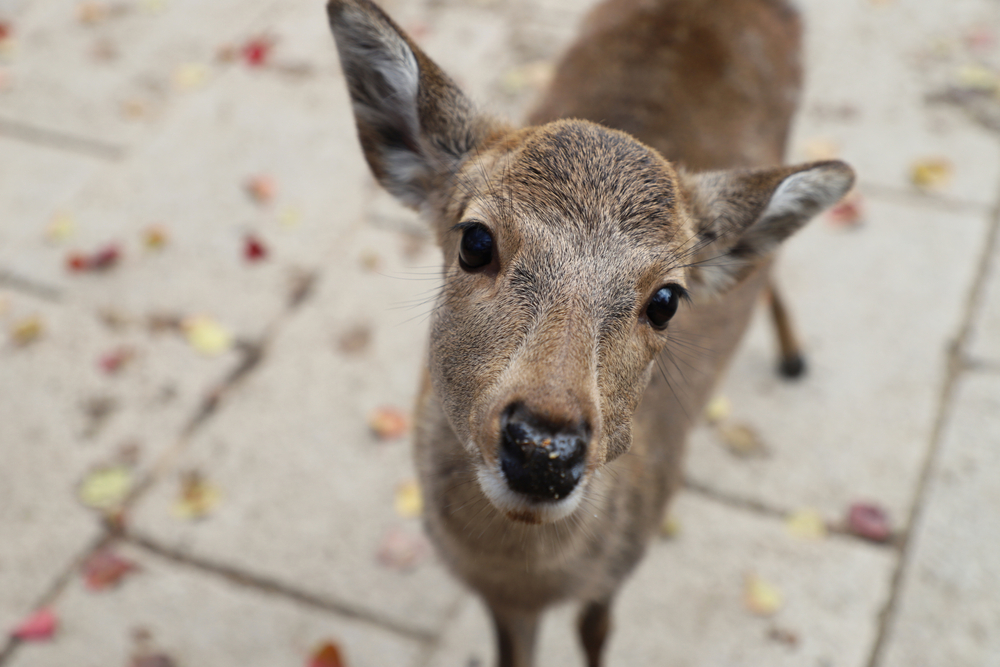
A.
pixel 307 490
pixel 53 434
pixel 948 612
pixel 870 67
pixel 200 619
pixel 984 342
pixel 683 606
pixel 878 307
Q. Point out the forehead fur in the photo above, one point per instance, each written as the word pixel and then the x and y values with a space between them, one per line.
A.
pixel 587 176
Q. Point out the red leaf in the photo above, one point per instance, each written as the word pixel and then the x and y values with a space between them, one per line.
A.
pixel 40 626
pixel 5 30
pixel 869 521
pixel 114 361
pixel 327 655
pixel 105 569
pixel 254 249
pixel 257 51
pixel 99 260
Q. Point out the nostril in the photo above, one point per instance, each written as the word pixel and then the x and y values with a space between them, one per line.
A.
pixel 540 461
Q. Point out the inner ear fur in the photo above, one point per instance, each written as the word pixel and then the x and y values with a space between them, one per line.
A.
pixel 742 216
pixel 415 125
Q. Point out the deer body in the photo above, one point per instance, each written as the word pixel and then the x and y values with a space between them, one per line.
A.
pixel 564 371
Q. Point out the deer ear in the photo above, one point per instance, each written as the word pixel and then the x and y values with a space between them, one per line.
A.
pixel 741 217
pixel 415 125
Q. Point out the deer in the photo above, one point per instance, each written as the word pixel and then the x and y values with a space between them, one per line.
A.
pixel 600 265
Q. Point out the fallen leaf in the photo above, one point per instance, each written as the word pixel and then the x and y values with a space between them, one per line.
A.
pixel 806 524
pixel 327 655
pixel 257 51
pixel 742 440
pixel 718 409
pixel 27 330
pixel 113 362
pixel 355 339
pixel 869 521
pixel 670 527
pixel 370 260
pixel 850 212
pixel 761 597
pixel 262 188
pixel 190 76
pixel 981 38
pixel 197 497
pixel 61 228
pixel 152 660
pixel 409 501
pixel 99 260
pixel 91 12
pixel 821 148
pixel 134 108
pixel 97 409
pixel 39 626
pixel 931 173
pixel 402 549
pixel 977 77
pixel 783 636
pixel 155 237
pixel 290 217
pixel 387 422
pixel 5 30
pixel 105 569
pixel 532 76
pixel 106 488
pixel 206 335
pixel 254 249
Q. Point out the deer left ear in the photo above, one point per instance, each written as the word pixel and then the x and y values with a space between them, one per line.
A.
pixel 741 217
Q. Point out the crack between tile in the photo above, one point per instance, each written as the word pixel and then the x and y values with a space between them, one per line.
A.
pixel 56 589
pixel 41 136
pixel 270 586
pixel 752 506
pixel 29 286
pixel 957 364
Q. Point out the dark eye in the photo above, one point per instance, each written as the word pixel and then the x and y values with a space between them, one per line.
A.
pixel 476 250
pixel 663 305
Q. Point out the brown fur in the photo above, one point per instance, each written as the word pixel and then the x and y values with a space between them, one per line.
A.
pixel 588 223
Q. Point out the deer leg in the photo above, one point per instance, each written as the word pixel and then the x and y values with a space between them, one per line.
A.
pixel 594 625
pixel 516 632
pixel 791 364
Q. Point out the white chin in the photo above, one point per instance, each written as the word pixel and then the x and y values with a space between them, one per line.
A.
pixel 521 508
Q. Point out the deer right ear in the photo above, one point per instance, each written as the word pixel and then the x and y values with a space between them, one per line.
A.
pixel 414 124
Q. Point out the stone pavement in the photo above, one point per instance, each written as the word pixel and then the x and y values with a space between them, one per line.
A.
pixel 117 118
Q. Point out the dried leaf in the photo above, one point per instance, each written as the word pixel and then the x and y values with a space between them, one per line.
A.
pixel 977 77
pixel 262 188
pixel 254 249
pixel 869 521
pixel 327 655
pixel 401 549
pixel 783 636
pixel 670 527
pixel 761 597
pixel 257 50
pixel 6 31
pixel 190 76
pixel 290 217
pixel 931 173
pixel 718 409
pixel 152 660
pixel 155 237
pixel 197 497
pixel 370 260
pixel 206 335
pixel 409 501
pixel 101 259
pixel 355 339
pixel 91 12
pixel 105 569
pixel 821 148
pixel 806 524
pixel 106 488
pixel 27 330
pixel 742 440
pixel 387 422
pixel 39 626
pixel 60 228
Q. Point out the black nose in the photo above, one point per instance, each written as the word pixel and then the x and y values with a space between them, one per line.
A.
pixel 539 459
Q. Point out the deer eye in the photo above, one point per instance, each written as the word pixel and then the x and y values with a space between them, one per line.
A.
pixel 663 305
pixel 476 250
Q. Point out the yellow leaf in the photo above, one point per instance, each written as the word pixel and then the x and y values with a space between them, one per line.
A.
pixel 409 501
pixel 206 335
pixel 106 488
pixel 671 527
pixel 27 330
pixel 931 173
pixel 290 217
pixel 198 498
pixel 806 523
pixel 718 409
pixel 821 148
pixel 190 75
pixel 761 597
pixel 978 77
pixel 742 440
pixel 61 228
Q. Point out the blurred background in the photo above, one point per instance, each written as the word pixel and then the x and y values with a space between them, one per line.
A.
pixel 212 323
